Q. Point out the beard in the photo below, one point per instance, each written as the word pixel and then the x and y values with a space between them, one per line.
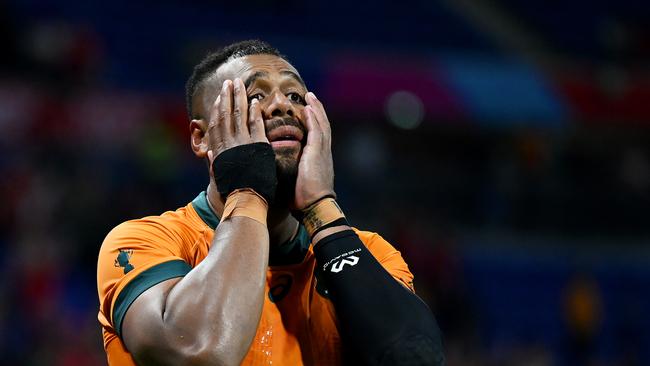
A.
pixel 286 160
pixel 287 173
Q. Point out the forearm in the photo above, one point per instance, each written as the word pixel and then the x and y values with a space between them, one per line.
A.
pixel 381 321
pixel 210 316
pixel 216 308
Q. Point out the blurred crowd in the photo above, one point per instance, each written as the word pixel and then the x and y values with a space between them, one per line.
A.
pixel 528 242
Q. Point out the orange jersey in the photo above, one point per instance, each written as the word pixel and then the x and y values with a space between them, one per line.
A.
pixel 298 323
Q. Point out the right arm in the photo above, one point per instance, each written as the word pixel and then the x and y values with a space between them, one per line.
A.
pixel 210 316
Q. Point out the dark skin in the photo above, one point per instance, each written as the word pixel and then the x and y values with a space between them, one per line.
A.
pixel 210 316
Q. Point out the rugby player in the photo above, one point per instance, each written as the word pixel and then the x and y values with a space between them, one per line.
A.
pixel 262 268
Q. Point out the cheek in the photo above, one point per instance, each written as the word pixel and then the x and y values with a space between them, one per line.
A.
pixel 300 111
pixel 302 119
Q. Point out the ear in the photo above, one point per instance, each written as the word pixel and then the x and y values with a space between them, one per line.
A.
pixel 199 137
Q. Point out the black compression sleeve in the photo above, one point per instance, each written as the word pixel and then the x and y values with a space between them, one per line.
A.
pixel 381 321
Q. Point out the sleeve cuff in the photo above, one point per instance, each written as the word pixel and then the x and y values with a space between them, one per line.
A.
pixel 143 282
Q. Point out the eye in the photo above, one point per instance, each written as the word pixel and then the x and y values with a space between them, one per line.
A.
pixel 296 98
pixel 258 96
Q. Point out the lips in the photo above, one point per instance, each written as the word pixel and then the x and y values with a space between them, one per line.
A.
pixel 285 133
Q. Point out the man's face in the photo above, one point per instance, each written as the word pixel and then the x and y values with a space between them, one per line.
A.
pixel 281 92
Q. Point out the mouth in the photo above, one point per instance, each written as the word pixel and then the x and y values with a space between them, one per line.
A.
pixel 285 136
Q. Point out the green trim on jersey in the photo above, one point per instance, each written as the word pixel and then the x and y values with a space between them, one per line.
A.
pixel 292 252
pixel 202 208
pixel 143 282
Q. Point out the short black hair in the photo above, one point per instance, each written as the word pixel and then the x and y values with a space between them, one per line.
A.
pixel 213 60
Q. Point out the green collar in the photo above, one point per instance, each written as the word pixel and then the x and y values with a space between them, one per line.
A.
pixel 292 252
pixel 202 208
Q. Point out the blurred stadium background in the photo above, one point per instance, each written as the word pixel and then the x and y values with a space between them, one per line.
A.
pixel 503 147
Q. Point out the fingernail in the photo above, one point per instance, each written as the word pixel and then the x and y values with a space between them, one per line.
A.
pixel 225 83
pixel 312 95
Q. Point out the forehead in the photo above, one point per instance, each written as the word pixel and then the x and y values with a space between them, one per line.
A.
pixel 243 67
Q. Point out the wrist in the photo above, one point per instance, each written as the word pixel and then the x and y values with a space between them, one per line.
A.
pixel 322 214
pixel 245 202
pixel 246 166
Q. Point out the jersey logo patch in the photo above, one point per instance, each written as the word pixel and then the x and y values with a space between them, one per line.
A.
pixel 338 266
pixel 123 258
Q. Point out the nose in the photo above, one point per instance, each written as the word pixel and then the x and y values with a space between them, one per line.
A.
pixel 279 106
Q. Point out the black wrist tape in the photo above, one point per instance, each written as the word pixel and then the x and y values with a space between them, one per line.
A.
pixel 247 166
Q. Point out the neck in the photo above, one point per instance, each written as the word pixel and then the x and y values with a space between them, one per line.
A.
pixel 282 226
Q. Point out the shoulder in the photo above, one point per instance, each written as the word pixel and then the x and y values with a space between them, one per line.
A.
pixel 375 242
pixel 172 227
pixel 138 254
pixel 147 242
pixel 386 254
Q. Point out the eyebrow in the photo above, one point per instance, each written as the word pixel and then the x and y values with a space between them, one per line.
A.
pixel 260 74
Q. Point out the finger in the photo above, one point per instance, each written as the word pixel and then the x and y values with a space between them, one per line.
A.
pixel 215 135
pixel 240 110
pixel 319 111
pixel 314 132
pixel 225 110
pixel 256 122
pixel 321 118
pixel 214 113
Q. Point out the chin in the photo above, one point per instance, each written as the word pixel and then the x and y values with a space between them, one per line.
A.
pixel 287 158
pixel 287 169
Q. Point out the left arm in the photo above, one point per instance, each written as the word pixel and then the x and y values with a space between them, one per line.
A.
pixel 381 321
